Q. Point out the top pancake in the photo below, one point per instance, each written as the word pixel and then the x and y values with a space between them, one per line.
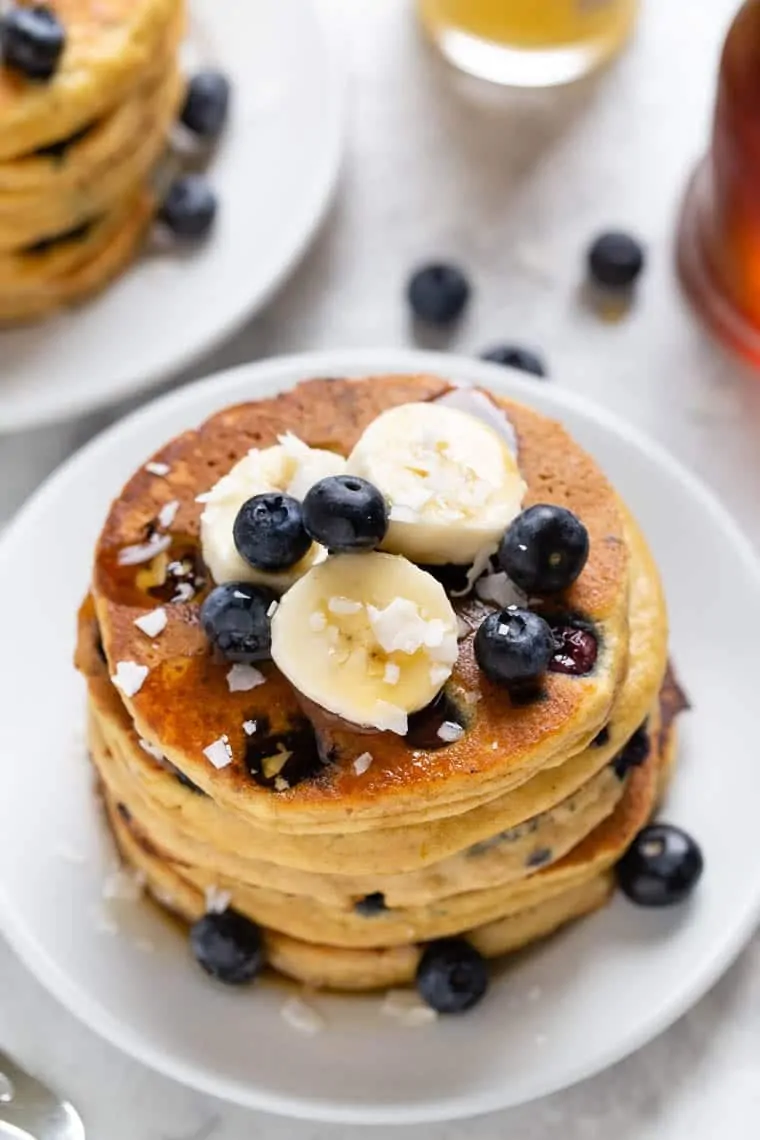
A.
pixel 185 704
pixel 109 44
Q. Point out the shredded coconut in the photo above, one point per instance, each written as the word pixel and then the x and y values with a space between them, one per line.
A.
pixel 281 784
pixel 500 590
pixel 168 513
pixel 129 677
pixel 153 622
pixel 219 753
pixel 217 900
pixel 144 551
pixel 272 610
pixel 157 468
pixel 125 885
pixel 344 606
pixel 249 727
pixel 302 1017
pixel 362 763
pixel 185 592
pixel 407 1007
pixel 450 731
pixel 243 678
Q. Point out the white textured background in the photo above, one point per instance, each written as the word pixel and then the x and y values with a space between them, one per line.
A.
pixel 513 187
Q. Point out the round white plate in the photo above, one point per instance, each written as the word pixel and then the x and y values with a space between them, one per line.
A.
pixel 556 1014
pixel 274 172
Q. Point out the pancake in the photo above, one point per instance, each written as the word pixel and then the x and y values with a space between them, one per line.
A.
pixel 109 44
pixel 185 703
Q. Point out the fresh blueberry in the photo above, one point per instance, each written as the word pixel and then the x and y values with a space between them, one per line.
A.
pixel 228 946
pixel 662 866
pixel 269 532
pixel 632 754
pixel 452 976
pixel 32 39
pixel 544 549
pixel 206 104
pixel 234 619
pixel 189 208
pixel 514 645
pixel 345 513
pixel 513 356
pixel 575 649
pixel 438 293
pixel 615 260
pixel 371 905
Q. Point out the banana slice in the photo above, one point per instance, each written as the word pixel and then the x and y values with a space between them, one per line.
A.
pixel 452 481
pixel 289 466
pixel 369 637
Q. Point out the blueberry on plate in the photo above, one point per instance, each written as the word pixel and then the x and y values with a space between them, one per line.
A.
pixel 345 513
pixel 514 645
pixel 615 260
pixel 189 208
pixel 438 293
pixel 662 866
pixel 452 976
pixel 513 356
pixel 228 946
pixel 234 619
pixel 206 104
pixel 32 40
pixel 544 549
pixel 269 531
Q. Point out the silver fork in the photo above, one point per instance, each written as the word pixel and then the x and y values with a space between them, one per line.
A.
pixel 29 1110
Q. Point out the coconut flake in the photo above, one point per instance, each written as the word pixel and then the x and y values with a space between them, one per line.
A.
pixel 123 884
pixel 344 606
pixel 151 749
pixel 281 784
pixel 129 677
pixel 317 622
pixel 391 718
pixel 392 673
pixel 494 745
pixel 249 727
pixel 185 592
pixel 362 763
pixel 407 1007
pixel 463 629
pixel 243 678
pixel 168 513
pixel 160 469
pixel 204 497
pixel 450 731
pixel 153 622
pixel 219 753
pixel 144 551
pixel 481 563
pixel 217 900
pixel 500 589
pixel 302 1017
pixel 272 609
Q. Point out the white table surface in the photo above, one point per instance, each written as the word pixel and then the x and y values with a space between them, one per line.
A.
pixel 513 188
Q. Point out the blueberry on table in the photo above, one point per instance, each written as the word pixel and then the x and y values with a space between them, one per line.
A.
pixel 269 532
pixel 514 645
pixel 452 976
pixel 234 619
pixel 544 549
pixel 438 293
pixel 189 208
pixel 228 946
pixel 661 867
pixel 514 356
pixel 615 260
pixel 345 513
pixel 206 104
pixel 32 40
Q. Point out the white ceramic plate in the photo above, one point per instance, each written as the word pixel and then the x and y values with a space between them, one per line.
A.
pixel 555 1015
pixel 274 172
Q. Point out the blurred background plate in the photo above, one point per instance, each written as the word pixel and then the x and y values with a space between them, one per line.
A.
pixel 274 172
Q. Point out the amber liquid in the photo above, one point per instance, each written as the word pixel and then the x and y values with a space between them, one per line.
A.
pixel 719 247
pixel 529 42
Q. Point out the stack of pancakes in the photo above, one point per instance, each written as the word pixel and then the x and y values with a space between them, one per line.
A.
pixel 501 836
pixel 77 153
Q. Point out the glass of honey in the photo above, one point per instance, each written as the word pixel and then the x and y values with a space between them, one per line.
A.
pixel 528 43
pixel 719 233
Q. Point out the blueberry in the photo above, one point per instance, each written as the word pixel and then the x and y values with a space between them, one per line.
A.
pixel 544 549
pixel 269 532
pixel 228 946
pixel 345 513
pixel 438 293
pixel 206 104
pixel 575 649
pixel 189 208
pixel 662 866
pixel 615 260
pixel 632 754
pixel 514 645
pixel 234 619
pixel 513 356
pixel 452 976
pixel 371 905
pixel 32 40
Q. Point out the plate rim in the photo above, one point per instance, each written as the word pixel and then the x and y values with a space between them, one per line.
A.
pixel 332 150
pixel 279 372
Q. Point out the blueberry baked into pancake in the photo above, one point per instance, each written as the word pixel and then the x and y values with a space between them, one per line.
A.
pixel 90 92
pixel 378 687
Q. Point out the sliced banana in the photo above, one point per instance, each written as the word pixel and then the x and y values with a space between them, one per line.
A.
pixel 369 637
pixel 289 466
pixel 452 481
